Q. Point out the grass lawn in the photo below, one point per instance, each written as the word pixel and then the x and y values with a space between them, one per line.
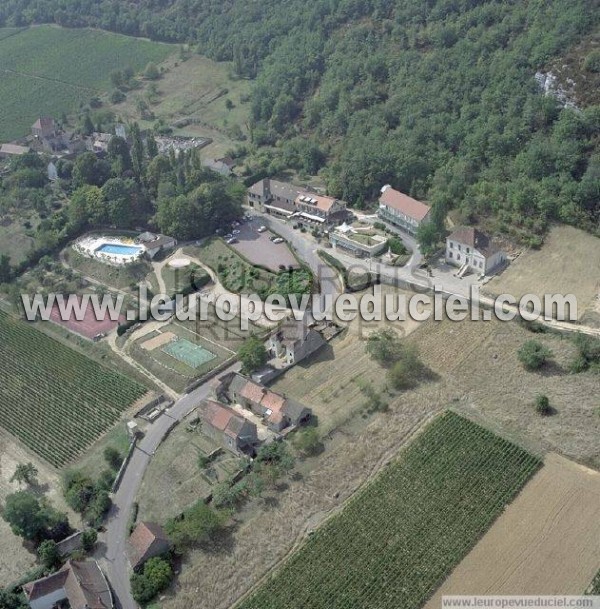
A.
pixel 196 89
pixel 399 537
pixel 41 78
pixel 173 480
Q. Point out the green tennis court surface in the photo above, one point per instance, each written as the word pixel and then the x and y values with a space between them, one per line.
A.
pixel 187 352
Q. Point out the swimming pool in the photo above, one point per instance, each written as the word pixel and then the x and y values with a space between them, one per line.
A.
pixel 120 250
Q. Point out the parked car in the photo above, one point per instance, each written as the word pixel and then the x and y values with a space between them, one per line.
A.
pixel 278 240
pixel 232 240
pixel 235 224
pixel 228 236
pixel 262 229
pixel 235 232
pixel 273 237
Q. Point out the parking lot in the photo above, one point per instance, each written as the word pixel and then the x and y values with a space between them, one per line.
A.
pixel 260 250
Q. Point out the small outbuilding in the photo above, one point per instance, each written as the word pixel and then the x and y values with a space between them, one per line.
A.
pixel 147 541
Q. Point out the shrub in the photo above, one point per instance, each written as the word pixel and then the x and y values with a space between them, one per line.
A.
pixel 113 457
pixel 542 405
pixel 308 442
pixel 397 246
pixel 155 577
pixel 588 355
pixel 48 554
pixel 592 62
pixel 533 355
pixel 197 525
pixel 88 540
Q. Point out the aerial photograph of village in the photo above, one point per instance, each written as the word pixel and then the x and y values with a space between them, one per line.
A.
pixel 299 304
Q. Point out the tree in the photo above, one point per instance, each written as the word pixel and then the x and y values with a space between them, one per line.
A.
pixel 533 355
pixel 11 600
pixel 48 554
pixel 88 540
pixel 154 578
pixel 151 147
pixel 308 442
pixel 199 524
pixel 406 372
pixel 385 347
pixel 90 170
pixel 116 78
pixel 118 155
pixel 542 405
pixel 428 237
pixel 151 72
pixel 113 457
pixel 137 151
pixel 253 355
pixel 5 268
pixel 33 519
pixel 25 472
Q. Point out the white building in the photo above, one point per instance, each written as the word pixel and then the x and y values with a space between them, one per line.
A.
pixel 471 250
pixel 402 211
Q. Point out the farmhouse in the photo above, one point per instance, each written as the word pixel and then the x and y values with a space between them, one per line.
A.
pixel 147 541
pixel 473 251
pixel 402 211
pixel 277 411
pixel 81 583
pixel 226 426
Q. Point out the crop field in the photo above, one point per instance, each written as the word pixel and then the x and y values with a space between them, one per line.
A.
pixel 53 399
pixel 50 70
pixel 398 538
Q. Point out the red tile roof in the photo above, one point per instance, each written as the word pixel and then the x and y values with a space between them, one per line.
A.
pixel 273 401
pixel 467 235
pixel 147 540
pixel 253 392
pixel 395 199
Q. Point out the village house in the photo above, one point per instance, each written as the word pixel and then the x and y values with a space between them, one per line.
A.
pixel 277 411
pixel 402 211
pixel 229 428
pixel 473 251
pixel 80 583
pixel 294 341
pixel 8 151
pixel 357 243
pixel 147 541
pixel 44 128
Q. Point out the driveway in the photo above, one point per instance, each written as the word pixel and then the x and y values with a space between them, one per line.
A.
pixel 113 544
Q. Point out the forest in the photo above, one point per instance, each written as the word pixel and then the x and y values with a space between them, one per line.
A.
pixel 438 98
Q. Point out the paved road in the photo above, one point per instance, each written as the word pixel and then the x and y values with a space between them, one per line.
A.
pixel 114 559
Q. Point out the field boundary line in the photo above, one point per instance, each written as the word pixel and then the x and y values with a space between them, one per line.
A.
pixel 386 458
pixel 48 79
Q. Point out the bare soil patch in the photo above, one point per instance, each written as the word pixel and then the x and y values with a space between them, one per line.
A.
pixel 546 542
pixel 158 341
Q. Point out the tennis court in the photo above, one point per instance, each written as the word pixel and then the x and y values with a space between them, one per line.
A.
pixel 187 352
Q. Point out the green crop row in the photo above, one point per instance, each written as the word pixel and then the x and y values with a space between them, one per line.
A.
pixel 398 539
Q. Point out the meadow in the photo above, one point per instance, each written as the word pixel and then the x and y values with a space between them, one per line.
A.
pixel 52 398
pixel 403 533
pixel 48 70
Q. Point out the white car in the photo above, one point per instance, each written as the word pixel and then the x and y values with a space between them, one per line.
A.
pixel 235 232
pixel 262 229
pixel 232 240
pixel 228 236
pixel 278 240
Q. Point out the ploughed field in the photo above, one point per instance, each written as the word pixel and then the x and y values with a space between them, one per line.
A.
pixel 54 399
pixel 397 540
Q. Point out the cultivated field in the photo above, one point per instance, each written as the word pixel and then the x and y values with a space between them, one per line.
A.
pixel 546 542
pixel 40 76
pixel 394 542
pixel 54 399
pixel 567 263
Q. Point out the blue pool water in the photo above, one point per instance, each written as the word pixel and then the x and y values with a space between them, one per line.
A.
pixel 122 250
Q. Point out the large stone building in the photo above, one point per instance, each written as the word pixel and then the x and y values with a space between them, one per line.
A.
pixel 402 211
pixel 473 251
pixel 228 427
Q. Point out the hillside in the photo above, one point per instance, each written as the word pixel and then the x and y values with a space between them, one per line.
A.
pixel 438 98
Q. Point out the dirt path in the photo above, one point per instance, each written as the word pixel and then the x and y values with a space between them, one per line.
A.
pixel 546 542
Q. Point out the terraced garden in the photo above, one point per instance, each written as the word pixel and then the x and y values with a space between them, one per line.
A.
pixel 53 399
pixel 399 537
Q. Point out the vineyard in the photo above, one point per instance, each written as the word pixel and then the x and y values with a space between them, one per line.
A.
pixel 55 400
pixel 39 75
pixel 399 537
